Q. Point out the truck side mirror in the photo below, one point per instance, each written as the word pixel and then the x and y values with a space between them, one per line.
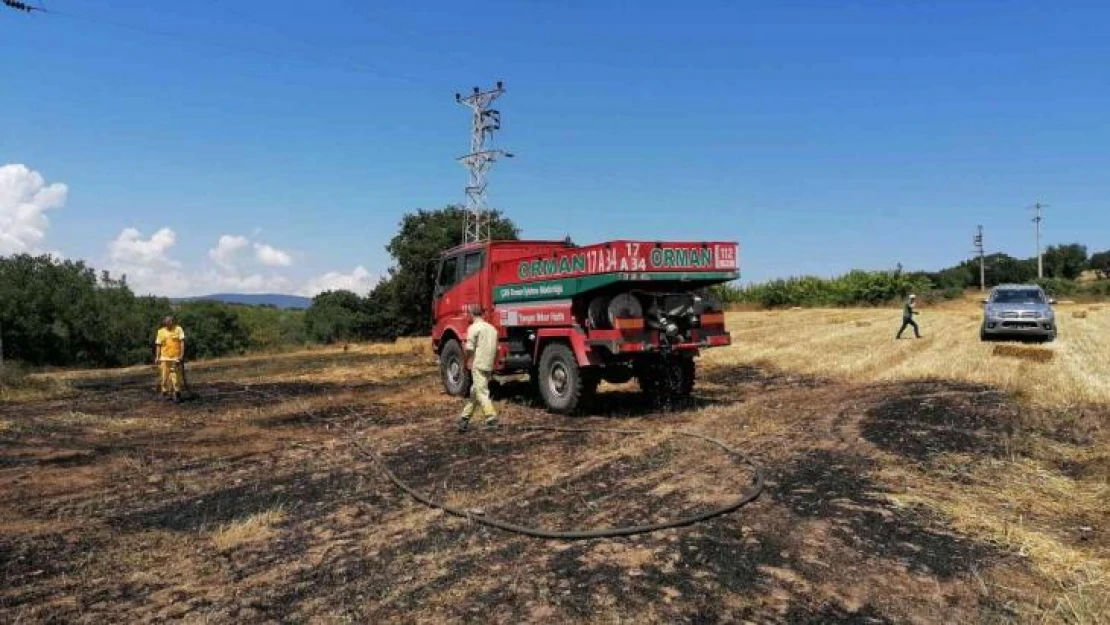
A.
pixel 1052 302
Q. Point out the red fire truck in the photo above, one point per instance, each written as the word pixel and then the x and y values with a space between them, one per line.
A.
pixel 572 316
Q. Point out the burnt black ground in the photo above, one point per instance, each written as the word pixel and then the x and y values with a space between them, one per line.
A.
pixel 823 545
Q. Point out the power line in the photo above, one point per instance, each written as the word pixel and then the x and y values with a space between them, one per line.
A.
pixel 346 60
pixel 334 60
pixel 23 6
pixel 484 121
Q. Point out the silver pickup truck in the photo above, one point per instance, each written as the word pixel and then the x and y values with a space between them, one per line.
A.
pixel 1018 311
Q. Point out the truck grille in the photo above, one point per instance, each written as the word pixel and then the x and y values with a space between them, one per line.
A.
pixel 1019 324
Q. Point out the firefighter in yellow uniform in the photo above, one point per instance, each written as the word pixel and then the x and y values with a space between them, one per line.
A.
pixel 481 346
pixel 169 345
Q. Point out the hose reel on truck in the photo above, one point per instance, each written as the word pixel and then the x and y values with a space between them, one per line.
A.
pixel 604 310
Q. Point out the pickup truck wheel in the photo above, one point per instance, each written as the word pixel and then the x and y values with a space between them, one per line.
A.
pixel 560 379
pixel 452 368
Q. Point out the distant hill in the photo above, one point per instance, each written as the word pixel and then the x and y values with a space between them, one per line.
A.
pixel 254 299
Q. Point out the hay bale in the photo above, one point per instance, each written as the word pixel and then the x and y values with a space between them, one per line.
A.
pixel 1079 314
pixel 1024 352
pixel 863 324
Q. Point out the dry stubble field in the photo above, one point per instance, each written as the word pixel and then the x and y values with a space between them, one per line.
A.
pixel 932 480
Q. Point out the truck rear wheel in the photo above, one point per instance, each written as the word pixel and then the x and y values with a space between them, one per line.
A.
pixel 452 368
pixel 560 379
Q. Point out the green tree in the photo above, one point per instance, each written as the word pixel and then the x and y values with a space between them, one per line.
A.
pixel 385 319
pixel 270 327
pixel 1100 264
pixel 1005 269
pixel 58 312
pixel 211 330
pixel 149 312
pixel 1065 261
pixel 47 309
pixel 405 306
pixel 127 323
pixel 335 316
pixel 962 276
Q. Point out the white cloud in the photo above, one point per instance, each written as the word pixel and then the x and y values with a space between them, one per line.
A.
pixel 226 248
pixel 24 199
pixel 271 256
pixel 130 248
pixel 150 268
pixel 359 281
pixel 146 262
pixel 228 258
pixel 214 282
pixel 231 272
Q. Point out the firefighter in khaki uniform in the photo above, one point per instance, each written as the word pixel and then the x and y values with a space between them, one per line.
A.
pixel 481 346
pixel 169 346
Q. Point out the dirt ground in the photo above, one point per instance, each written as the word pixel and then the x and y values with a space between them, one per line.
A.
pixel 925 500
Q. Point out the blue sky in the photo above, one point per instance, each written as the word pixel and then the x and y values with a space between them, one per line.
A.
pixel 824 136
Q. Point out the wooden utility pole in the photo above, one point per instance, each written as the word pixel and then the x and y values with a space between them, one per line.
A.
pixel 982 264
pixel 1037 220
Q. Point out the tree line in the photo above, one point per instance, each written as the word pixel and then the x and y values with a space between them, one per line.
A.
pixel 1063 266
pixel 63 313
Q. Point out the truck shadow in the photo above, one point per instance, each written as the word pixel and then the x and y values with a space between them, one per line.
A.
pixel 619 402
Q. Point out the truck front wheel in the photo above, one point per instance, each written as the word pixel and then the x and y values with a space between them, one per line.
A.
pixel 560 379
pixel 452 368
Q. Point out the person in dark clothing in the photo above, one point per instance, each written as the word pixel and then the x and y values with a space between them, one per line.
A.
pixel 907 317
